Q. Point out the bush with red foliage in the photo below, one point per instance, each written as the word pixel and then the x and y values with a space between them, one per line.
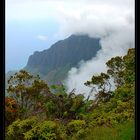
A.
pixel 11 110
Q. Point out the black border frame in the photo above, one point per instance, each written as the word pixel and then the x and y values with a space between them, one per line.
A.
pixel 2 71
pixel 136 72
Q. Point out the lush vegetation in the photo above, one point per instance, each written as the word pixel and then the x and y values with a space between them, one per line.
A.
pixel 35 111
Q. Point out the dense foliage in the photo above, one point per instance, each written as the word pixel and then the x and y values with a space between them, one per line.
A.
pixel 36 111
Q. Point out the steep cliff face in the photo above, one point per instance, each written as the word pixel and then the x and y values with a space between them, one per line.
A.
pixel 54 63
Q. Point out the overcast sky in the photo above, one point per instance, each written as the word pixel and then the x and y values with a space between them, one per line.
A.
pixel 33 25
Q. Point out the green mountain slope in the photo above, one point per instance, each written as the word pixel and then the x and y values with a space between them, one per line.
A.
pixel 54 63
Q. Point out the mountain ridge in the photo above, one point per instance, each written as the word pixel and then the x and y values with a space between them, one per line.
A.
pixel 61 56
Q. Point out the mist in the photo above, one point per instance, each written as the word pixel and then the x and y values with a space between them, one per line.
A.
pixel 113 24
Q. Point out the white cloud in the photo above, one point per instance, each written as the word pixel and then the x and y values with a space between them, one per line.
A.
pixel 42 37
pixel 36 9
pixel 114 24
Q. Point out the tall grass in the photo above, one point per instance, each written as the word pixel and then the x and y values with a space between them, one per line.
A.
pixel 121 132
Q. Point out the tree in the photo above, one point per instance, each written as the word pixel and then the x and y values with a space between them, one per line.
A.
pixel 116 70
pixel 121 70
pixel 129 62
pixel 28 91
pixel 101 85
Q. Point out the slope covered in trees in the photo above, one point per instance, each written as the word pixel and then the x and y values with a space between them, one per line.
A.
pixel 36 111
pixel 54 63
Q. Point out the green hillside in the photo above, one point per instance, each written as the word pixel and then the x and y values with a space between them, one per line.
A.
pixel 35 111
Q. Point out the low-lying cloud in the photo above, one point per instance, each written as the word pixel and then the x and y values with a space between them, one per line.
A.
pixel 114 24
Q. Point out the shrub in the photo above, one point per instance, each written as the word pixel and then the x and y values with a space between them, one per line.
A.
pixel 75 125
pixel 47 130
pixel 17 129
pixel 11 110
